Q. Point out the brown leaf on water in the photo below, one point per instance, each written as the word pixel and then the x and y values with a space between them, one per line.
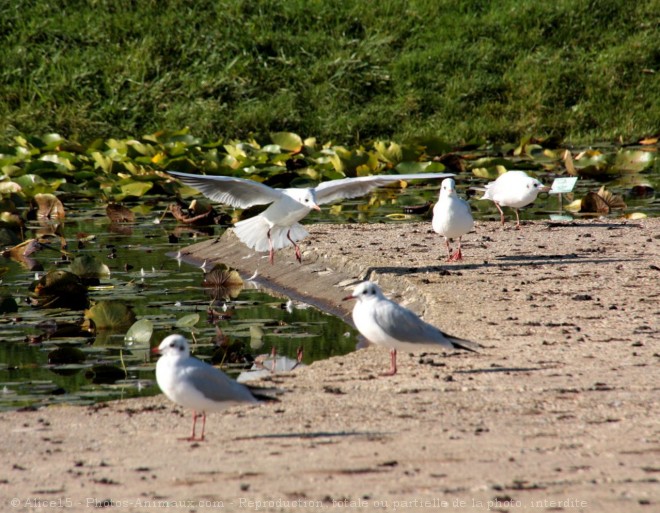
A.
pixel 59 289
pixel 568 162
pixel 649 141
pixel 223 282
pixel 46 206
pixel 22 254
pixel 453 162
pixel 614 201
pixel 601 202
pixel 119 213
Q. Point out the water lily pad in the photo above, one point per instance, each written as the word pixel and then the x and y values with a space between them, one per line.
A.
pixel 139 333
pixel 110 315
pixel 633 161
pixel 187 321
pixel 137 189
pixel 89 267
pixel 60 289
pixel 412 167
pixel 287 141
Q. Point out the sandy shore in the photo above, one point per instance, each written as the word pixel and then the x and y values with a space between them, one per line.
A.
pixel 558 412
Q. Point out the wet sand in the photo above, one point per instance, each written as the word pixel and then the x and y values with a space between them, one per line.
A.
pixel 557 412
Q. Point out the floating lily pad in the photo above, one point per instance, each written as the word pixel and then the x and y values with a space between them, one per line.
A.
pixel 89 268
pixel 110 315
pixel 60 289
pixel 140 333
pixel 287 141
pixel 187 321
pixel 633 161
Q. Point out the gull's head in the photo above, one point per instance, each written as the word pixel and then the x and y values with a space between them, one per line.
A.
pixel 365 291
pixel 448 188
pixel 536 186
pixel 174 346
pixel 306 197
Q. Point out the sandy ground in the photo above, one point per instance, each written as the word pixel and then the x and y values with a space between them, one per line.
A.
pixel 558 412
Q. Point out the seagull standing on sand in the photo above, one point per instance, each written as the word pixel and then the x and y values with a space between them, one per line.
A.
pixel 277 226
pixel 386 323
pixel 195 384
pixel 513 189
pixel 451 217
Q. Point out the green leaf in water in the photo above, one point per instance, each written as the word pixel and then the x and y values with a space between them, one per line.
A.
pixel 110 315
pixel 187 321
pixel 140 333
pixel 287 141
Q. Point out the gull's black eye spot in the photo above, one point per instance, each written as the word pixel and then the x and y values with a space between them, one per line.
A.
pixel 180 348
pixel 172 344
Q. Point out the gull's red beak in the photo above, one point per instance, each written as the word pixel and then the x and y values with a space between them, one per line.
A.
pixel 348 297
pixel 317 208
pixel 154 350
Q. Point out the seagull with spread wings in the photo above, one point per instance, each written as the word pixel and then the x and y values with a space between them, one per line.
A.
pixel 278 226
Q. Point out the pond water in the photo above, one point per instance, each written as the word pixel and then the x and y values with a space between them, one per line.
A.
pixel 159 288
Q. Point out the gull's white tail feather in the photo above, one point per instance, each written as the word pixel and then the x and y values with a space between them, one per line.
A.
pixel 253 233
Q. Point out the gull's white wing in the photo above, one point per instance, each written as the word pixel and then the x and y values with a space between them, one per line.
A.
pixel 404 325
pixel 332 190
pixel 215 385
pixel 235 192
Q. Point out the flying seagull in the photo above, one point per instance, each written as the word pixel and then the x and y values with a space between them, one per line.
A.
pixel 277 226
pixel 388 324
pixel 452 217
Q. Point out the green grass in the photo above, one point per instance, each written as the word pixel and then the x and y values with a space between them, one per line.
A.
pixel 340 70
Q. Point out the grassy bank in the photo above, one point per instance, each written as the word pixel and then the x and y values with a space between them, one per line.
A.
pixel 341 70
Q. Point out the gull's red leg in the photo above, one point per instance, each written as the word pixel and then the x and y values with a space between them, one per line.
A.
pixel 501 214
pixel 271 251
pixel 392 370
pixel 298 255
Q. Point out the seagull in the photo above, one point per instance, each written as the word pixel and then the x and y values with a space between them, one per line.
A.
pixel 192 383
pixel 513 189
pixel 277 226
pixel 386 323
pixel 451 217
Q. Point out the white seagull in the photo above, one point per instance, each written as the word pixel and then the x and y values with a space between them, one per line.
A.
pixel 513 189
pixel 277 226
pixel 451 217
pixel 386 323
pixel 192 383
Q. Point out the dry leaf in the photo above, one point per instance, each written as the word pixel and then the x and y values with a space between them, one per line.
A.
pixel 568 162
pixel 601 202
pixel 119 213
pixel 47 206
